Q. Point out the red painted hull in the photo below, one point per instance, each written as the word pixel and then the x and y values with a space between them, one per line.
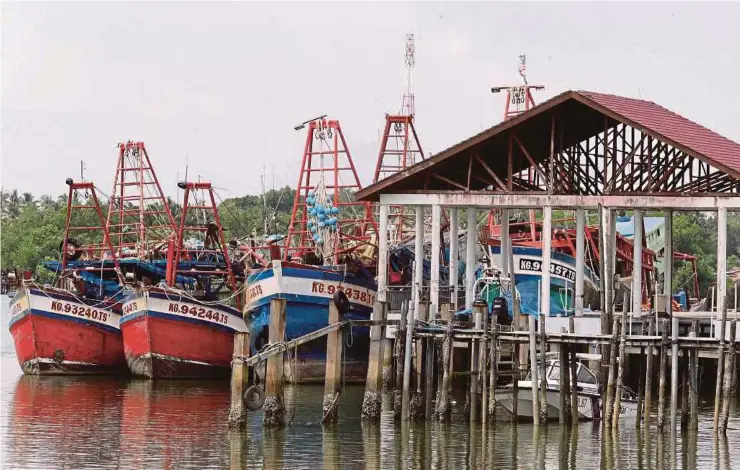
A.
pixel 160 342
pixel 169 348
pixel 47 343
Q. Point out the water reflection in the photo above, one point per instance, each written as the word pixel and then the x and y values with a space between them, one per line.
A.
pixel 65 422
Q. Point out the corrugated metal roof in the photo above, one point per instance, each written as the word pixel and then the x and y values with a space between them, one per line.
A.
pixel 670 125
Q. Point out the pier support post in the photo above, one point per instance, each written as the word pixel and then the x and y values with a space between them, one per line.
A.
pixel 494 370
pixel 239 380
pixel 662 374
pixel 371 403
pixel 580 258
pixel 383 291
pixel 418 266
pixel 564 385
pixel 417 400
pixel 611 375
pixel 274 407
pixel 573 375
pixel 684 368
pixel 694 379
pixel 543 369
pixel 333 378
pixel 470 241
pixel 649 374
pixel 622 360
pixel 436 249
pixel 443 394
pixel 429 377
pixel 400 354
pixel 477 355
pixel 405 398
pixel 533 367
pixel 674 373
pixel 453 266
pixel 728 379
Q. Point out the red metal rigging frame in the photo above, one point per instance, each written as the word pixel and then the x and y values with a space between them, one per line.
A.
pixel 208 203
pixel 101 250
pixel 137 202
pixel 399 149
pixel 362 228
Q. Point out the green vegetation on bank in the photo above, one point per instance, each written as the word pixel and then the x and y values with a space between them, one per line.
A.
pixel 32 229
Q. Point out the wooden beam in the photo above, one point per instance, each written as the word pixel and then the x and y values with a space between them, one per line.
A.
pixel 529 157
pixel 470 168
pixel 491 172
pixel 621 168
pixel 449 181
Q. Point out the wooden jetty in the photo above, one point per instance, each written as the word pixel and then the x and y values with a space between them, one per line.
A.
pixel 577 151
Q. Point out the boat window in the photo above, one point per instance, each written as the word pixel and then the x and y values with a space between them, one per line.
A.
pixel 585 375
pixel 554 372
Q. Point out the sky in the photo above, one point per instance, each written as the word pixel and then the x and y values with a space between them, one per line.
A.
pixel 220 86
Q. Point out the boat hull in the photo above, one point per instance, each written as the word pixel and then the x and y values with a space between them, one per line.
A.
pixel 166 336
pixel 308 291
pixel 589 406
pixel 528 274
pixel 56 333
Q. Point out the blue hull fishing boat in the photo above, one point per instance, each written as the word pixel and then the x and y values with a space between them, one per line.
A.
pixel 308 290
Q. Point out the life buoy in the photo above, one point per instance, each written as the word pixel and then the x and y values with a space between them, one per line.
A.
pixel 341 301
pixel 73 249
pixel 253 398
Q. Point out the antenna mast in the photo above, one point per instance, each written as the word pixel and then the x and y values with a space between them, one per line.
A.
pixel 408 107
pixel 518 96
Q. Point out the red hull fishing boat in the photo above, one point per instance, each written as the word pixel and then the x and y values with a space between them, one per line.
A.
pixel 183 327
pixel 71 328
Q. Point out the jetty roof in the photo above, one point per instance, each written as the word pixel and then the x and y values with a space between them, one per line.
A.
pixel 601 144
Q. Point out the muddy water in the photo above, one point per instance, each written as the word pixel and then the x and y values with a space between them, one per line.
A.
pixel 66 422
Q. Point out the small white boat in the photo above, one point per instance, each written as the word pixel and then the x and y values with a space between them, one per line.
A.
pixel 589 399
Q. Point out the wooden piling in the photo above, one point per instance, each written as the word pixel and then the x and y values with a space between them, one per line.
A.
pixel 494 370
pixel 483 367
pixel 399 348
pixel 372 400
pixel 274 407
pixel 613 351
pixel 674 373
pixel 443 397
pixel 533 367
pixel 515 382
pixel 661 375
pixel 405 398
pixel 720 364
pixel 694 379
pixel 728 377
pixel 573 376
pixel 387 373
pixel 543 369
pixel 622 361
pixel 429 352
pixel 417 402
pixel 649 375
pixel 479 311
pixel 239 380
pixel 333 377
pixel 564 385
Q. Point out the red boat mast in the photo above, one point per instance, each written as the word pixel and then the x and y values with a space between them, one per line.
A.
pixel 139 216
pixel 327 165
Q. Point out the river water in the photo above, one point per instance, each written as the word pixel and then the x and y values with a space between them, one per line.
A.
pixel 94 422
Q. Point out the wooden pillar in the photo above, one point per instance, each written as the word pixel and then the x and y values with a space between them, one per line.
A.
pixel 405 403
pixel 533 368
pixel 479 307
pixel 728 379
pixel 608 253
pixel 720 363
pixel 580 259
pixel 418 274
pixel 333 377
pixel 674 371
pixel 573 376
pixel 429 354
pixel 274 407
pixel 637 265
pixel 662 374
pixel 400 355
pixel 649 374
pixel 470 242
pixel 494 370
pixel 373 385
pixel 505 242
pixel 383 253
pixel 239 380
pixel 694 379
pixel 443 397
pixel 543 370
pixel 454 249
pixel 418 403
pixel 436 248
pixel 622 360
pixel 564 386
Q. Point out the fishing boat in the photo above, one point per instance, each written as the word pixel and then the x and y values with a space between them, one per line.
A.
pixel 70 327
pixel 589 399
pixel 328 256
pixel 182 324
